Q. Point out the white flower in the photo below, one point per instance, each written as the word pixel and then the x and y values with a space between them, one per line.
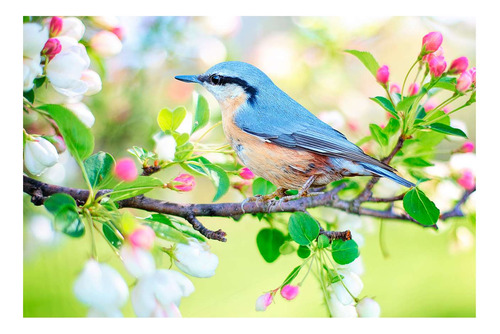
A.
pixel 106 44
pixel 355 266
pixel 101 287
pixel 368 308
pixel 65 70
pixel 106 22
pixel 194 259
pixel 83 112
pixel 165 146
pixel 72 27
pixel 461 161
pixel 31 69
pixel 93 81
pixel 139 262
pixel 34 38
pixel 351 282
pixel 159 294
pixel 339 310
pixel 39 155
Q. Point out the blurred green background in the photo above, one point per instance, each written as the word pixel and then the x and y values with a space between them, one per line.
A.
pixel 426 273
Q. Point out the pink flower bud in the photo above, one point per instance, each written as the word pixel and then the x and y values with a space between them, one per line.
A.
pixel 118 31
pixel 430 104
pixel 383 75
pixel 183 182
pixel 446 109
pixel 467 147
pixel 289 292
pixel 263 302
pixel 246 174
pixel 459 65
pixel 438 53
pixel 467 180
pixel 52 47
pixel 464 82
pixel 125 170
pixel 431 42
pixel 55 26
pixel 437 66
pixel 472 72
pixel 142 237
pixel 413 89
pixel 242 185
pixel 395 88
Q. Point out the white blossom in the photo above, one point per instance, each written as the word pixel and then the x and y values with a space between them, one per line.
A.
pixel 165 146
pixel 351 282
pixel 339 310
pixel 83 112
pixel 195 259
pixel 106 44
pixel 368 308
pixel 93 81
pixel 72 27
pixel 34 38
pixel 39 155
pixel 138 262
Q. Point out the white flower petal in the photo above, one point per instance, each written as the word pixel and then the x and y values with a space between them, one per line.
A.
pixel 352 282
pixel 34 38
pixel 339 310
pixel 82 112
pixel 138 261
pixel 72 27
pixel 368 308
pixel 194 259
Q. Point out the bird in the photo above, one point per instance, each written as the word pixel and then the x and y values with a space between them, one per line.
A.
pixel 277 138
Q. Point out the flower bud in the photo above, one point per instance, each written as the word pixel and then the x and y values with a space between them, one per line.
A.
pixel 472 73
pixel 55 26
pixel 263 302
pixel 39 155
pixel 339 310
pixel 368 308
pixel 431 42
pixel 352 282
pixel 125 170
pixel 106 44
pixel 289 292
pixel 464 82
pixel 142 237
pixel 413 89
pixel 383 75
pixel 93 81
pixel 72 27
pixel 246 174
pixel 438 53
pixel 51 48
pixel 467 147
pixel 459 65
pixel 467 180
pixel 183 182
pixel 430 104
pixel 437 66
pixel 118 31
pixel 395 88
pixel 195 259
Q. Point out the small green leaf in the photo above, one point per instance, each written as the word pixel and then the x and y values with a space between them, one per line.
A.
pixel 289 279
pixel 262 187
pixel 178 116
pixel 417 162
pixel 99 168
pixel 165 119
pixel 391 128
pixel 323 241
pixel 420 208
pixel 183 152
pixel 386 104
pixel 405 104
pixel 68 221
pixel 168 233
pixel 287 248
pixel 29 95
pixel 446 129
pixel 202 114
pixel 302 228
pixel 379 135
pixel 448 83
pixel 269 242
pixel 139 186
pixel 216 174
pixel 303 252
pixel 181 139
pixel 344 252
pixel 472 99
pixel 367 59
pixel 110 235
pixel 58 201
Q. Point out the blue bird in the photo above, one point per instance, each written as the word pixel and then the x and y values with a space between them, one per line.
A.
pixel 277 138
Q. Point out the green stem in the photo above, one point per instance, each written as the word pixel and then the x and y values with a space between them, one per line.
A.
pixel 341 281
pixel 208 131
pixel 90 199
pixel 443 104
pixel 88 217
pixel 406 78
pixel 326 295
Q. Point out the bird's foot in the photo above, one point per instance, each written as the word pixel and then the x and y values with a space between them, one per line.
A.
pixel 261 199
pixel 299 195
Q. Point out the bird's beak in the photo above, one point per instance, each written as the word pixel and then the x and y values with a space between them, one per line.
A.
pixel 188 78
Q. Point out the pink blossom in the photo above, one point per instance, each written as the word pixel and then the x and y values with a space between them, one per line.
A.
pixel 118 31
pixel 55 26
pixel 467 180
pixel 383 75
pixel 459 65
pixel 183 182
pixel 289 292
pixel 125 170
pixel 263 301
pixel 467 147
pixel 431 42
pixel 430 104
pixel 472 72
pixel 464 82
pixel 437 66
pixel 52 48
pixel 143 237
pixel 241 185
pixel 246 174
pixel 413 89
pixel 446 109
pixel 395 88
pixel 438 53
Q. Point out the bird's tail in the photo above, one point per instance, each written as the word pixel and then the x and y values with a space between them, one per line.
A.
pixel 379 171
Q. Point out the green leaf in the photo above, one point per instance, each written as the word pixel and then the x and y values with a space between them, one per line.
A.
pixel 448 83
pixel 68 221
pixel 58 201
pixel 165 119
pixel 405 104
pixel 178 116
pixel 99 168
pixel 269 242
pixel 168 233
pixel 29 95
pixel 183 152
pixel 78 138
pixel 367 59
pixel 287 248
pixel 379 135
pixel 262 187
pixel 302 228
pixel 417 162
pixel 303 252
pixel 446 129
pixel 391 128
pixel 181 139
pixel 110 235
pixel 139 186
pixel 216 174
pixel 386 104
pixel 420 208
pixel 202 114
pixel 295 271
pixel 323 241
pixel 472 99
pixel 174 224
pixel 344 252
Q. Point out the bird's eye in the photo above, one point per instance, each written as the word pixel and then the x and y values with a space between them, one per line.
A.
pixel 215 79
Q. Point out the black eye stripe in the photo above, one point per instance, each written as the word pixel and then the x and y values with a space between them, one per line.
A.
pixel 224 80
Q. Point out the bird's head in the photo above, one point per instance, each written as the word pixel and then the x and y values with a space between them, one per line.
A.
pixel 231 80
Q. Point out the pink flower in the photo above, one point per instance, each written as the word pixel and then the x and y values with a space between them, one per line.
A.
pixel 263 302
pixel 437 66
pixel 183 182
pixel 467 180
pixel 431 42
pixel 413 89
pixel 395 88
pixel 125 170
pixel 459 65
pixel 118 31
pixel 438 53
pixel 467 147
pixel 246 174
pixel 430 104
pixel 464 81
pixel 472 72
pixel 242 185
pixel 143 237
pixel 289 292
pixel 55 26
pixel 446 109
pixel 383 75
pixel 52 48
